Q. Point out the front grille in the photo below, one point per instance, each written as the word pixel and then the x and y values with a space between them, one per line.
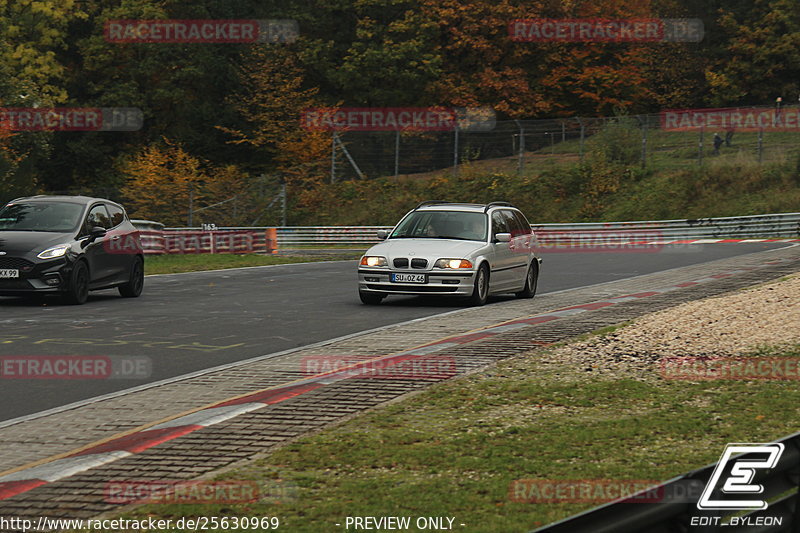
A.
pixel 14 284
pixel 411 288
pixel 401 262
pixel 419 263
pixel 16 263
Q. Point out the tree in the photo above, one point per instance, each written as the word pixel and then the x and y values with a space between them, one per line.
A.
pixel 35 32
pixel 163 180
pixel 761 60
pixel 272 103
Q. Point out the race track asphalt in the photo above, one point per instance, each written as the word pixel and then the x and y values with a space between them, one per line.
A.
pixel 189 322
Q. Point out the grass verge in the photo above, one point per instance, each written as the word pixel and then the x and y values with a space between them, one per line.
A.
pixel 455 449
pixel 171 264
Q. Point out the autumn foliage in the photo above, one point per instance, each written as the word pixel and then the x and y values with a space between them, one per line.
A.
pixel 231 112
pixel 162 179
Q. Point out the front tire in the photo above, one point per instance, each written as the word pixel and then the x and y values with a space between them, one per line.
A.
pixel 531 281
pixel 135 285
pixel 78 290
pixel 371 298
pixel 480 292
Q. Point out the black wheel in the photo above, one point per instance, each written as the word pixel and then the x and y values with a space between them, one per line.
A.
pixel 78 290
pixel 480 292
pixel 531 280
pixel 134 287
pixel 371 298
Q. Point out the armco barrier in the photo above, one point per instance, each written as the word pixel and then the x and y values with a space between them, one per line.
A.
pixel 262 239
pixel 191 241
pixel 786 225
pixel 678 507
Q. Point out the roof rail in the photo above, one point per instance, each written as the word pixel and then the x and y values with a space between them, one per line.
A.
pixel 430 202
pixel 496 204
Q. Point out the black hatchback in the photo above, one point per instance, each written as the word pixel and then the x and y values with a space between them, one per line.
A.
pixel 68 245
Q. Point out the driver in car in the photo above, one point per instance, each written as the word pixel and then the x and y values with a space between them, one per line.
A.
pixel 476 230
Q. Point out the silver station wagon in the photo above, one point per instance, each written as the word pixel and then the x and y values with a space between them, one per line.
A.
pixel 440 248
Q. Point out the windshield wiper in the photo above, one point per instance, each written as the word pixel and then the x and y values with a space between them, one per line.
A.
pixel 454 238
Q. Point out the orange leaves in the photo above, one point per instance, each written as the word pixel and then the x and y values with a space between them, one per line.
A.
pixel 161 180
pixel 272 107
pixel 274 99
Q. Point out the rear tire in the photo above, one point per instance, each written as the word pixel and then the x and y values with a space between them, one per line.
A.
pixel 135 285
pixel 78 290
pixel 531 281
pixel 480 291
pixel 371 298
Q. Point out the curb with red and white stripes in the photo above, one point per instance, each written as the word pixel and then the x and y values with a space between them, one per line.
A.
pixel 24 479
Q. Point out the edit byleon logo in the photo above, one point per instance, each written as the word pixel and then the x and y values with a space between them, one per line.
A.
pixel 737 485
pixel 732 487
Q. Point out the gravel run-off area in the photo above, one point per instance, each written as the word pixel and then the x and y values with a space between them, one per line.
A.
pixel 762 320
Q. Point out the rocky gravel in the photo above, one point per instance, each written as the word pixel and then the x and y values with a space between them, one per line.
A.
pixel 765 318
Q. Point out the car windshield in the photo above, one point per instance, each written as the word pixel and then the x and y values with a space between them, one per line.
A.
pixel 461 225
pixel 59 217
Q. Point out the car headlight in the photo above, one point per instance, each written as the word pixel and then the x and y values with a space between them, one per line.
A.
pixel 452 263
pixel 373 261
pixel 54 252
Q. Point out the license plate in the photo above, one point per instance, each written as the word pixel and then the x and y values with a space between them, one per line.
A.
pixel 7 273
pixel 409 278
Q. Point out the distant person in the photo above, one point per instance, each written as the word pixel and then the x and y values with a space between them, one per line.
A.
pixel 717 143
pixel 728 137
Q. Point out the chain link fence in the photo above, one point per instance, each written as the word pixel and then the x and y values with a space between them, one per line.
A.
pixel 520 146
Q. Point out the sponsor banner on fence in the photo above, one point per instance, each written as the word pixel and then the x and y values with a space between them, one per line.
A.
pixel 398 119
pixel 602 491
pixel 201 31
pixel 600 241
pixel 196 492
pixel 204 242
pixel 638 30
pixel 732 118
pixel 55 367
pixel 413 367
pixel 71 118
pixel 731 368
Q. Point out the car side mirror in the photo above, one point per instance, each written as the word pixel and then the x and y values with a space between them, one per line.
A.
pixel 502 237
pixel 382 234
pixel 97 232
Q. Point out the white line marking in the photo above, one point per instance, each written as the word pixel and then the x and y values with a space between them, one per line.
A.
pixel 209 417
pixel 68 466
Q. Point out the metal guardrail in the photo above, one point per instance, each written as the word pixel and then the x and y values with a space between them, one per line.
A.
pixel 679 505
pixel 328 235
pixel 776 226
pixel 785 225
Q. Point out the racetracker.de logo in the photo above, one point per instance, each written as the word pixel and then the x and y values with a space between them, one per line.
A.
pixel 642 30
pixel 414 367
pixel 56 367
pixel 584 490
pixel 732 118
pixel 181 492
pixel 201 31
pixel 599 241
pixel 730 368
pixel 71 118
pixel 398 119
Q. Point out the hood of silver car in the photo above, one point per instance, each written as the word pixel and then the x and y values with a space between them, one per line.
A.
pixel 429 249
